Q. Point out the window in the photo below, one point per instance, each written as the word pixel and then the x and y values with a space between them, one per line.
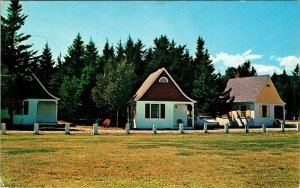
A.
pixel 243 109
pixel 26 107
pixel 162 111
pixel 147 111
pixel 155 111
pixel 264 111
pixel 268 85
pixel 163 80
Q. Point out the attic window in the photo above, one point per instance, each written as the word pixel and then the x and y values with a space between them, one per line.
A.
pixel 268 85
pixel 163 80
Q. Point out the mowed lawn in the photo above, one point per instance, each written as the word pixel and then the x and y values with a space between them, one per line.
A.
pixel 146 160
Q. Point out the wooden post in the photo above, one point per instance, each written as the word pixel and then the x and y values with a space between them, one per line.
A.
pixel 264 128
pixel 36 128
pixel 246 128
pixel 205 128
pixel 298 127
pixel 67 128
pixel 181 128
pixel 95 129
pixel 3 126
pixel 282 127
pixel 154 129
pixel 226 130
pixel 127 128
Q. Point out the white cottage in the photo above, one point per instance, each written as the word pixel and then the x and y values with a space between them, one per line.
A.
pixel 256 101
pixel 160 101
pixel 39 106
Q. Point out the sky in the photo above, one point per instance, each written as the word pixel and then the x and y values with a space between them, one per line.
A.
pixel 266 33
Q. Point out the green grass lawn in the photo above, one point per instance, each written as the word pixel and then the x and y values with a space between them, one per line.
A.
pixel 146 160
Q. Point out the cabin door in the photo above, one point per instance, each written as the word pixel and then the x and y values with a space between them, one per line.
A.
pixel 46 112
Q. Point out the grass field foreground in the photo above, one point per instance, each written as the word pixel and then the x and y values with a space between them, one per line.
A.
pixel 145 160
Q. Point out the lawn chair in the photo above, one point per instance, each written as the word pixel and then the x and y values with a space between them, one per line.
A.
pixel 106 123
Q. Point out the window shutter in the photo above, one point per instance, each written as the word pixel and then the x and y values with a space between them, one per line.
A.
pixel 147 110
pixel 260 111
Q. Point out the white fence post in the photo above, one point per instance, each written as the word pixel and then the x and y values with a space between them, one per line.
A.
pixel 154 129
pixel 67 128
pixel 246 128
pixel 298 127
pixel 127 128
pixel 282 127
pixel 181 128
pixel 264 128
pixel 36 128
pixel 95 129
pixel 205 128
pixel 3 126
pixel 226 130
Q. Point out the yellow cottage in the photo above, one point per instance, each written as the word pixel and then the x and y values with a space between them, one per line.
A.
pixel 256 101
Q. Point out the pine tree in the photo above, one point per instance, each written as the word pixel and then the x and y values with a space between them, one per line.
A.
pixel 296 91
pixel 74 60
pixel 108 52
pixel 120 52
pixel 245 70
pixel 16 56
pixel 160 55
pixel 205 90
pixel 46 66
pixel 88 79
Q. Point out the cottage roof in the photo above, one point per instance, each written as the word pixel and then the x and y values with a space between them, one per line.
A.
pixel 151 79
pixel 247 89
pixel 36 90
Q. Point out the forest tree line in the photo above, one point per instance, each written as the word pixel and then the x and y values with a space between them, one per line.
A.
pixel 93 82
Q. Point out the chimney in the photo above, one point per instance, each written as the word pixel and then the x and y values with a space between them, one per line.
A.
pixel 237 75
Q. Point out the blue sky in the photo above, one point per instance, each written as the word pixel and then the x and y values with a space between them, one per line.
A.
pixel 266 33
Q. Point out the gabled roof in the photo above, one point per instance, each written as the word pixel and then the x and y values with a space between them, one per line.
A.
pixel 34 89
pixel 150 80
pixel 247 89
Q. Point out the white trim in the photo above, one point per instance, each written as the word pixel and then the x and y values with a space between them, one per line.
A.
pixel 163 80
pixel 44 87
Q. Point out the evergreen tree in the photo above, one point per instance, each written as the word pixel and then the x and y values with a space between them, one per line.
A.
pixel 205 90
pixel 246 70
pixel 57 76
pixel 17 57
pixel 88 80
pixel 74 60
pixel 160 55
pixel 108 52
pixel 296 91
pixel 120 52
pixel 129 50
pixel 46 66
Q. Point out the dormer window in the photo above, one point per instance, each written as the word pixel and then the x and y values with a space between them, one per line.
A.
pixel 163 80
pixel 268 85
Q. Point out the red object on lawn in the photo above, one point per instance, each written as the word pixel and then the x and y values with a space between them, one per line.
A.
pixel 106 122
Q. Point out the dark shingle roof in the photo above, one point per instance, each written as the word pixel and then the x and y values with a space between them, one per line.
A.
pixel 150 80
pixel 36 90
pixel 246 89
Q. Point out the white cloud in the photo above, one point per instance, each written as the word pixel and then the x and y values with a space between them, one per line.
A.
pixel 288 62
pixel 266 69
pixel 229 60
